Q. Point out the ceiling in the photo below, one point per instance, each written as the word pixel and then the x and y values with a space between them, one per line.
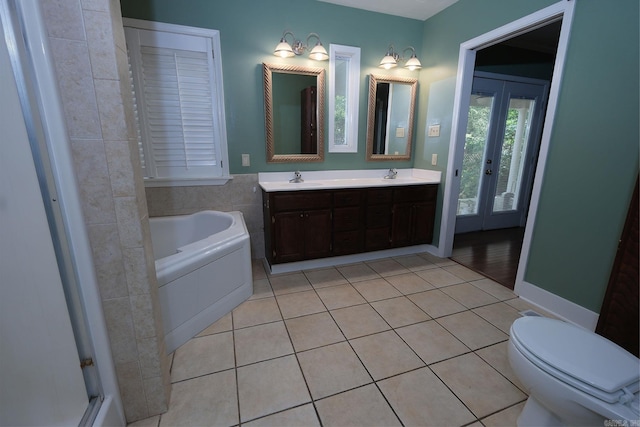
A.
pixel 415 9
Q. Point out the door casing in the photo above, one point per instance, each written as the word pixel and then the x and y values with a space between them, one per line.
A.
pixel 466 61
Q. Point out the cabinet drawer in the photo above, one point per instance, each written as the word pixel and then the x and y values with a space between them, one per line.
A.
pixel 345 219
pixel 379 195
pixel 378 216
pixel 347 242
pixel 300 200
pixel 347 198
pixel 415 193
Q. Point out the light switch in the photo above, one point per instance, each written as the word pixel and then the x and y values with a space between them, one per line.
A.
pixel 246 160
pixel 399 132
pixel 434 130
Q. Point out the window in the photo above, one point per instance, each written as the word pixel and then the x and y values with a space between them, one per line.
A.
pixel 344 96
pixel 177 85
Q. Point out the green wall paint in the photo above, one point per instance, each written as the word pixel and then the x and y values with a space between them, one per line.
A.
pixel 593 157
pixel 250 30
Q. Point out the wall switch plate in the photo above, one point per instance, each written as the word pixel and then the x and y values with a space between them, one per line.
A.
pixel 246 160
pixel 434 130
pixel 399 132
pixel 434 159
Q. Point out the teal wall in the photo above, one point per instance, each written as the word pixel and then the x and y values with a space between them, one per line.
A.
pixel 251 29
pixel 593 159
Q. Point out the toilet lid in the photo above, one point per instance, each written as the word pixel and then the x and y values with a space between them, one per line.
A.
pixel 581 354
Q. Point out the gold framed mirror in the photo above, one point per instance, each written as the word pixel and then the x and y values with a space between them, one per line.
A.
pixel 390 118
pixel 294 113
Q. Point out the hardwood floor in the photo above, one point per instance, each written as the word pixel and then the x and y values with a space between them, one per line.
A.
pixel 494 253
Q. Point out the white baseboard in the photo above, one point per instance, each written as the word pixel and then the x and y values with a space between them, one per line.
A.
pixel 348 259
pixel 556 305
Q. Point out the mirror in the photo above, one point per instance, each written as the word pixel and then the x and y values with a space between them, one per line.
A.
pixel 294 113
pixel 390 118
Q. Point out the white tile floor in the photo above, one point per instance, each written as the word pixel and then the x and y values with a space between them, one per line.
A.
pixel 413 341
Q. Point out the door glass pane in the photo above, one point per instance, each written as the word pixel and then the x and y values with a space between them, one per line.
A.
pixel 514 148
pixel 474 148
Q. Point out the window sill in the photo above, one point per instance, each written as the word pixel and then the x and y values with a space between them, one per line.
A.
pixel 185 182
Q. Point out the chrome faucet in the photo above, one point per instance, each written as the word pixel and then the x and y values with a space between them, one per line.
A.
pixel 297 177
pixel 392 174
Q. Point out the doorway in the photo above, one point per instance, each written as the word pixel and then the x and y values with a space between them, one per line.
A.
pixel 501 144
pixel 495 194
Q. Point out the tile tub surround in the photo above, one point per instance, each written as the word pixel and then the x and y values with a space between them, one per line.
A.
pixel 242 193
pixel 299 354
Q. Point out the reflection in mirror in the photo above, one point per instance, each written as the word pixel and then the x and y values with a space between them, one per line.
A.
pixel 294 113
pixel 390 117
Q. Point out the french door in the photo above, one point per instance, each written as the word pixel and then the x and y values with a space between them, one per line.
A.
pixel 501 145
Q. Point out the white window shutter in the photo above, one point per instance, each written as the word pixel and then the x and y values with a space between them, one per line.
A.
pixel 173 77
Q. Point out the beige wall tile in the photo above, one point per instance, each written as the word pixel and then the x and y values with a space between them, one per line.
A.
pixel 107 260
pixel 117 313
pixel 157 399
pixel 111 110
pixel 132 391
pixel 149 357
pixel 77 91
pixel 135 268
pixel 63 19
pixel 90 164
pixel 101 45
pixel 120 168
pixel 142 314
pixel 128 222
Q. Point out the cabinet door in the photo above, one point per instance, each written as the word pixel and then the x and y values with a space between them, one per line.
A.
pixel 412 223
pixel 288 242
pixel 401 224
pixel 423 217
pixel 317 233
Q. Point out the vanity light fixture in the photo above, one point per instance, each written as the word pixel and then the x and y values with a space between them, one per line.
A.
pixel 391 59
pixel 286 50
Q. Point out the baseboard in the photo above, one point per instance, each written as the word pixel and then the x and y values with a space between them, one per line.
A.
pixel 348 259
pixel 556 305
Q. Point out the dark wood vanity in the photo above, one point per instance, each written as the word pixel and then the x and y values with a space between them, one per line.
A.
pixel 311 224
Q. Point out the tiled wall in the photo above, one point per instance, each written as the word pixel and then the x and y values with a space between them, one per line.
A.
pixel 89 52
pixel 242 194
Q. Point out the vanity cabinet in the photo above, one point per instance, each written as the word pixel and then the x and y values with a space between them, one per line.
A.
pixel 412 215
pixel 310 224
pixel 299 225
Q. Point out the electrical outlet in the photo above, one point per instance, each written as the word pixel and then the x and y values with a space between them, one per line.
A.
pixel 434 130
pixel 434 159
pixel 246 160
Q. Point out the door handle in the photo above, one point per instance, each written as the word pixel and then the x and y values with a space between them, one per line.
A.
pixel 488 172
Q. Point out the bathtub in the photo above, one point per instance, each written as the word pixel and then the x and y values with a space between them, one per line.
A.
pixel 203 265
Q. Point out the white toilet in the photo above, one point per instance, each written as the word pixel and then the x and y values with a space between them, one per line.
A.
pixel 574 377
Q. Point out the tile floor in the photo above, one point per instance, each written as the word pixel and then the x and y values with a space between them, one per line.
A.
pixel 413 340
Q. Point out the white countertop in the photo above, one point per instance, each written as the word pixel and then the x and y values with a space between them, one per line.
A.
pixel 326 180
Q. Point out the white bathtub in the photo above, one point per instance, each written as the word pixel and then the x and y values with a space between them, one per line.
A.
pixel 203 264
